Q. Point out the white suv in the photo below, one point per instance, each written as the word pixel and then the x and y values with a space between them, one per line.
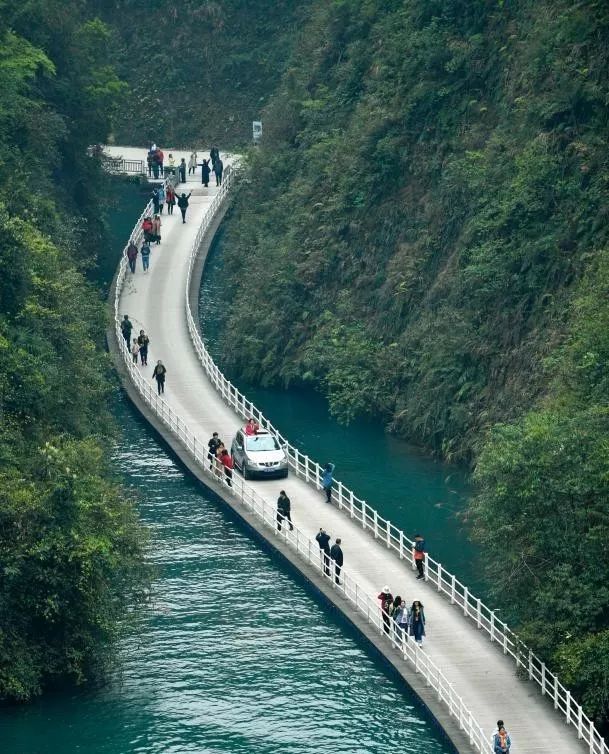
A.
pixel 259 455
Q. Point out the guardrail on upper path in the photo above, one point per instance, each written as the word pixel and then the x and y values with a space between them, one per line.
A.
pixel 446 583
pixel 305 548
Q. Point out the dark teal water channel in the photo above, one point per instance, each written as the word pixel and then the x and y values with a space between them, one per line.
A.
pixel 236 654
pixel 410 489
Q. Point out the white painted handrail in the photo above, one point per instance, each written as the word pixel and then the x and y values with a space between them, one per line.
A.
pixel 445 582
pixel 364 604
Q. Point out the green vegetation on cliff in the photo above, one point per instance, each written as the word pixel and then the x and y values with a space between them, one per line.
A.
pixel 199 72
pixel 423 235
pixel 72 565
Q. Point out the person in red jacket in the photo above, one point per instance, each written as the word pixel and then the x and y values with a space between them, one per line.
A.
pixel 227 461
pixel 252 427
pixel 147 228
pixel 170 198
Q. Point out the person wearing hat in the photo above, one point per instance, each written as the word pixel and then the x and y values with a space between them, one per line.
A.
pixel 386 599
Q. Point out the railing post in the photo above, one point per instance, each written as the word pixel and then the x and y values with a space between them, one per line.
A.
pixel 530 664
pixel 465 599
pixel 401 545
pixel 452 589
pixel 388 534
pixel 376 524
pixel 555 692
pixel 478 613
pixel 492 626
pixel 568 708
pixel 351 506
pixel 340 496
pixel 439 577
pixel 543 679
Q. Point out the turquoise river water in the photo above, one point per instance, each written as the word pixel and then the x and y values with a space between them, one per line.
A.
pixel 237 655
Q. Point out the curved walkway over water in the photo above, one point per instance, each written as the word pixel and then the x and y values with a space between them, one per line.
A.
pixel 476 668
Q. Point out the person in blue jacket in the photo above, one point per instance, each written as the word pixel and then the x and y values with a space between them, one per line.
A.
pixel 327 480
pixel 501 741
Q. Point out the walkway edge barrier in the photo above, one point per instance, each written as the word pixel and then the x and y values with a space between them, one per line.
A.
pixel 308 550
pixel 446 583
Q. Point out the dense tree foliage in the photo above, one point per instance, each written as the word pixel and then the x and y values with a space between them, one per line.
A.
pixel 72 565
pixel 423 235
pixel 199 72
pixel 432 184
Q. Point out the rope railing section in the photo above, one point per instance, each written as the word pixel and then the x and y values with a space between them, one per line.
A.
pixel 445 582
pixel 365 605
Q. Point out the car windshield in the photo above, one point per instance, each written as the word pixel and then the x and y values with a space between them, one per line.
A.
pixel 261 442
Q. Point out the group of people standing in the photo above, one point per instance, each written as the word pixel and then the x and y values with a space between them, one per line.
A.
pixel 329 554
pixel 157 168
pixel 138 347
pixel 398 619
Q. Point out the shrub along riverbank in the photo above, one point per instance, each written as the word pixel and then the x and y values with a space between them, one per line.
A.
pixel 72 552
pixel 423 236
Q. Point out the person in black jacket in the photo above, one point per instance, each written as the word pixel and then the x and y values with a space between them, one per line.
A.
pixel 284 508
pixel 205 173
pixel 218 170
pixel 126 327
pixel 336 554
pixel 323 540
pixel 213 444
pixel 183 205
pixel 159 375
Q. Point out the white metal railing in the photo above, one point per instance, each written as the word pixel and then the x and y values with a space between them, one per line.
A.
pixel 308 550
pixel 445 582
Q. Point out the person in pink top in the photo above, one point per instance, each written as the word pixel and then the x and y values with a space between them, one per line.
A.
pixel 252 427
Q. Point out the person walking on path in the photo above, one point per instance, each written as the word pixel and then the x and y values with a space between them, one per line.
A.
pixel 386 599
pixel 501 741
pixel 192 164
pixel 418 555
pixel 183 205
pixel 159 375
pixel 218 170
pixel 416 622
pixel 182 170
pixel 126 327
pixel 155 201
pixel 147 229
pixel 284 508
pixel 336 553
pixel 327 480
pixel 135 349
pixel 212 446
pixel 161 191
pixel 227 461
pixel 170 198
pixel 145 256
pixel 400 618
pixel 156 229
pixel 132 253
pixel 214 156
pixel 143 341
pixel 323 540
pixel 205 173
